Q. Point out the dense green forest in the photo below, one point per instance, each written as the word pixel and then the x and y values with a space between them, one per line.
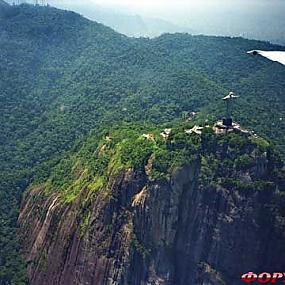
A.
pixel 63 76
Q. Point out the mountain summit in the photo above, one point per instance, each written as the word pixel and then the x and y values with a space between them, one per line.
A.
pixel 137 207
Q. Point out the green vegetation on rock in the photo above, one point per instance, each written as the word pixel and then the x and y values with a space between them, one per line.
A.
pixel 123 147
pixel 145 148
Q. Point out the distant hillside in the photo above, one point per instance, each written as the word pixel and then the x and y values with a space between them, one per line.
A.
pixel 63 76
pixel 134 26
pixel 137 26
pixel 128 24
pixel 260 20
pixel 257 21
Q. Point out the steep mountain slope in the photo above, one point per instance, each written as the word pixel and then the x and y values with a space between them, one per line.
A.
pixel 134 209
pixel 37 45
pixel 62 76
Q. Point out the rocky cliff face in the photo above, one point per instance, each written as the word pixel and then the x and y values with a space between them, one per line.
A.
pixel 141 230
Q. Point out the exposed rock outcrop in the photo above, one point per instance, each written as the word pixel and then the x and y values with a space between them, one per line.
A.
pixel 142 231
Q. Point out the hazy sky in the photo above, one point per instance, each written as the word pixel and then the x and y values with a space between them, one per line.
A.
pixel 258 19
pixel 179 10
pixel 160 5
